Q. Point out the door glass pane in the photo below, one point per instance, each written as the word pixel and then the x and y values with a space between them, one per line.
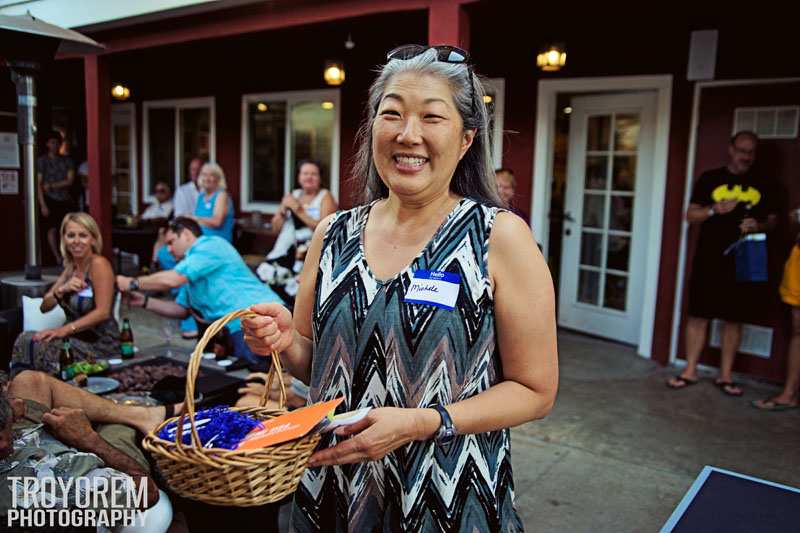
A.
pixel 591 248
pixel 618 254
pixel 616 291
pixel 621 213
pixel 121 160
pixel 624 173
pixel 312 135
pixel 596 171
pixel 267 150
pixel 594 210
pixel 161 139
pixel 599 131
pixel 589 287
pixel 195 137
pixel 626 132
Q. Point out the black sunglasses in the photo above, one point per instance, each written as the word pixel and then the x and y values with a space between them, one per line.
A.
pixel 444 53
pixel 176 227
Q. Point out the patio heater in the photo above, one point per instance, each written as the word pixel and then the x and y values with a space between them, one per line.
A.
pixel 26 43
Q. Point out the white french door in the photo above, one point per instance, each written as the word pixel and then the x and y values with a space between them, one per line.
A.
pixel 609 171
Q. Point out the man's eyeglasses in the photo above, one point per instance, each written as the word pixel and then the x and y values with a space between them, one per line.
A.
pixel 444 53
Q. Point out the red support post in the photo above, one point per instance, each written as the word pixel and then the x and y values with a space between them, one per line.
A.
pixel 448 23
pixel 98 144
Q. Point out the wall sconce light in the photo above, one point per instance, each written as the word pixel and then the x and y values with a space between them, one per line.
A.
pixel 334 73
pixel 552 58
pixel 487 99
pixel 327 105
pixel 120 92
pixel 261 106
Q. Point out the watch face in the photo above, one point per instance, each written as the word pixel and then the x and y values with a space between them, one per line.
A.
pixel 446 436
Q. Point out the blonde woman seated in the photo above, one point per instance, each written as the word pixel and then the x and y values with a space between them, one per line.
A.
pixel 85 291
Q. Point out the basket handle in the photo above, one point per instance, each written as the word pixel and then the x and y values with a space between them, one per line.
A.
pixel 194 367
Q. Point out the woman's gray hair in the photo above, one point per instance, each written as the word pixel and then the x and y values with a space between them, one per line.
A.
pixel 474 174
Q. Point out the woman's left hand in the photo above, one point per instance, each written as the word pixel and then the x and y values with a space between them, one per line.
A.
pixel 383 430
pixel 51 334
pixel 290 202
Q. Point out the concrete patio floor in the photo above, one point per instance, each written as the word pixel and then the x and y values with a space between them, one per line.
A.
pixel 620 449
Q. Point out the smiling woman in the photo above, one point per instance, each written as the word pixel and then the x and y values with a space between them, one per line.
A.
pixel 85 290
pixel 445 372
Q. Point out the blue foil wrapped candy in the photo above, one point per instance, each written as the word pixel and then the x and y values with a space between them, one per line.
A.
pixel 217 427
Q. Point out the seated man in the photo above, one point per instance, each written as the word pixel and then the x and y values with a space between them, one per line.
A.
pixel 214 278
pixel 46 432
pixel 159 211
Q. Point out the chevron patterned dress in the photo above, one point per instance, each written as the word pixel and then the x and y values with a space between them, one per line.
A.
pixel 378 351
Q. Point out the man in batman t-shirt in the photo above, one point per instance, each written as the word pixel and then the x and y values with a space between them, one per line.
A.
pixel 726 202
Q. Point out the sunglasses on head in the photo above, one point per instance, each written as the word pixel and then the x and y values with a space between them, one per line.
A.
pixel 444 53
pixel 176 227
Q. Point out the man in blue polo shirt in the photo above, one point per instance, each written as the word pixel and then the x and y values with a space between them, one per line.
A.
pixel 213 280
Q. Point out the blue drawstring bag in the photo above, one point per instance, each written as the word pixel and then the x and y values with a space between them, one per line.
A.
pixel 751 257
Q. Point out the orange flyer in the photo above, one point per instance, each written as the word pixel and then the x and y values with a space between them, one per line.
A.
pixel 288 427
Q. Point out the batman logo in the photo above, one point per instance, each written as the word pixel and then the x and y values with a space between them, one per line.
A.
pixel 748 195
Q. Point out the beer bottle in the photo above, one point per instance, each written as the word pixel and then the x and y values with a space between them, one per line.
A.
pixel 64 360
pixel 221 344
pixel 126 339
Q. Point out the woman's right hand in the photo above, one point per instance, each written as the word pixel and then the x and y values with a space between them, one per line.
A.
pixel 73 284
pixel 272 330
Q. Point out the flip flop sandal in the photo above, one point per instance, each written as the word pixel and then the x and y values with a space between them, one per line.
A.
pixel 725 386
pixel 770 405
pixel 684 382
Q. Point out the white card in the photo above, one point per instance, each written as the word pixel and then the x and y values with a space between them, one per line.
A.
pixel 432 287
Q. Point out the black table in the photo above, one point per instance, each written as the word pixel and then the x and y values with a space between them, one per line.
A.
pixel 136 240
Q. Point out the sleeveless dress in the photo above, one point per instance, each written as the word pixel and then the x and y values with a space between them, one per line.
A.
pixel 97 342
pixel 293 232
pixel 376 350
pixel 205 208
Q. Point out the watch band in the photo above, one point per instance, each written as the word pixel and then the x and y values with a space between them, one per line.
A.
pixel 711 211
pixel 447 431
pixel 134 284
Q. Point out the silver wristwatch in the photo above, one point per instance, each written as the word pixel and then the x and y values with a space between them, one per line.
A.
pixel 711 211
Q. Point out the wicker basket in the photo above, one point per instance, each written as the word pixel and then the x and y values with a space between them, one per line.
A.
pixel 240 478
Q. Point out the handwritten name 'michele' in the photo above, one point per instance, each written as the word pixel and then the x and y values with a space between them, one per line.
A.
pixel 417 287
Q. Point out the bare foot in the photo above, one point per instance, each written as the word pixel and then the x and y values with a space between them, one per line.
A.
pixel 681 381
pixel 155 416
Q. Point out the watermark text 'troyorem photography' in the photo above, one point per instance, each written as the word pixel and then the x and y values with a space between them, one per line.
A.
pixel 76 502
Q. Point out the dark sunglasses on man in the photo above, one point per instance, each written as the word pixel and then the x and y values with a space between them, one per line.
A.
pixel 444 53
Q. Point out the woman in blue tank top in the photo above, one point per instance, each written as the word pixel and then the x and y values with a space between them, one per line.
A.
pixel 214 209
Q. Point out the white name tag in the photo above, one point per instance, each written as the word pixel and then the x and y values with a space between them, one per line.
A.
pixel 87 292
pixel 431 287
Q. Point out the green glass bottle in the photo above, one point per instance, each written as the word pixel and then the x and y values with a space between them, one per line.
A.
pixel 126 339
pixel 65 361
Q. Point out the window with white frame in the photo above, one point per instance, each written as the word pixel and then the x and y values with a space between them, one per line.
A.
pixel 495 102
pixel 175 131
pixel 778 122
pixel 123 158
pixel 278 131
